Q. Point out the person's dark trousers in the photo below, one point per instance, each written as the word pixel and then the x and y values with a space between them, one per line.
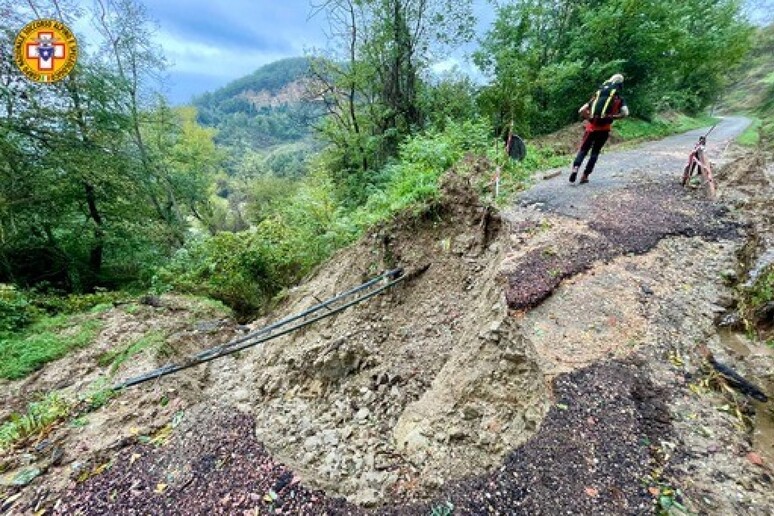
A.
pixel 593 140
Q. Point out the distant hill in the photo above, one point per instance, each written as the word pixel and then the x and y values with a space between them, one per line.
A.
pixel 260 110
pixel 752 88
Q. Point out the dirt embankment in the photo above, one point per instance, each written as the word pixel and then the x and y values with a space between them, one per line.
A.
pixel 420 386
pixel 389 400
pixel 590 397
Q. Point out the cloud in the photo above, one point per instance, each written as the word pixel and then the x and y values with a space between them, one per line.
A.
pixel 211 43
pixel 221 41
pixel 239 25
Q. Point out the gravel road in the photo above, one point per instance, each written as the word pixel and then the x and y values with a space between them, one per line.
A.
pixel 661 160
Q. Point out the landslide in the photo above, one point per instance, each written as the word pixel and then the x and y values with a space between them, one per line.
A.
pixel 426 383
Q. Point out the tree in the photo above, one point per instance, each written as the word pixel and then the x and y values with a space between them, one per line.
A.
pixel 545 58
pixel 89 199
pixel 371 83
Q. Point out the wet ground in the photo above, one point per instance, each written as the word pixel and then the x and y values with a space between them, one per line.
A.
pixel 632 201
pixel 661 161
pixel 590 456
pixel 614 283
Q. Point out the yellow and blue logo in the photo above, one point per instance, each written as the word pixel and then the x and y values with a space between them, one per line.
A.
pixel 45 50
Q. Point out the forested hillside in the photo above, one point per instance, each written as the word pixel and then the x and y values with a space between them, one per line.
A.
pixel 752 88
pixel 263 109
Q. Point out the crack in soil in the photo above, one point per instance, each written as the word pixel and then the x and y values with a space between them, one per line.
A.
pixel 632 221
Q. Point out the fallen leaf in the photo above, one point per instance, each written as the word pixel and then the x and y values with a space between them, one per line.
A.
pixel 160 488
pixel 755 458
pixel 592 492
pixel 655 491
pixel 10 500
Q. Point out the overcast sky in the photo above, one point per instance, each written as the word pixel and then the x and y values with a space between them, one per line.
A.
pixel 210 43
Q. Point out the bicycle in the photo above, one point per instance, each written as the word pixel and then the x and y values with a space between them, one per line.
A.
pixel 698 160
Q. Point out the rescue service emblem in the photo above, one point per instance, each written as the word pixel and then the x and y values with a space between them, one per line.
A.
pixel 45 50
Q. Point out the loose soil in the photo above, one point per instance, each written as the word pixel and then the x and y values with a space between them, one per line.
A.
pixel 546 362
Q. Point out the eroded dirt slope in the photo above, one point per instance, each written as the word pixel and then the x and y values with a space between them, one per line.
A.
pixel 587 396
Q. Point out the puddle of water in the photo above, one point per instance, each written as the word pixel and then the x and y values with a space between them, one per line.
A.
pixel 763 434
pixel 734 342
pixel 738 345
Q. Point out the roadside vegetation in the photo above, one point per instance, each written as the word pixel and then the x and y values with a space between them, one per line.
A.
pixel 636 129
pixel 44 341
pixel 753 94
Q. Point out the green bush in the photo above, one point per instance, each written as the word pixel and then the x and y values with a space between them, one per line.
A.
pixel 16 312
pixel 228 267
pixel 78 303
pixel 413 179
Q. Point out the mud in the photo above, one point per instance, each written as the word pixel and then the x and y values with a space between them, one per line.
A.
pixel 577 461
pixel 424 384
pixel 89 437
pixel 438 395
pixel 590 457
pixel 212 464
pixel 632 221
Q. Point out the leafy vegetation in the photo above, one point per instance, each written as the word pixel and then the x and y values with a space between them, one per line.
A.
pixel 47 339
pixel 237 198
pixel 16 312
pixel 548 58
pixel 40 415
pixel 116 357
pixel 412 180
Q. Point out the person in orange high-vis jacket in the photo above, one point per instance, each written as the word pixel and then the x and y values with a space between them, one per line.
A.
pixel 605 105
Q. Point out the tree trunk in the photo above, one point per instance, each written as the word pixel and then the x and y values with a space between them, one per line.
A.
pixel 97 248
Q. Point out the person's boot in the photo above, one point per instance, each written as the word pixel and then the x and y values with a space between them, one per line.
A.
pixel 584 179
pixel 574 174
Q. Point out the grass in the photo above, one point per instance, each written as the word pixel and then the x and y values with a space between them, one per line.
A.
pixel 635 129
pixel 43 341
pixel 115 358
pixel 756 296
pixel 40 416
pixel 751 136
